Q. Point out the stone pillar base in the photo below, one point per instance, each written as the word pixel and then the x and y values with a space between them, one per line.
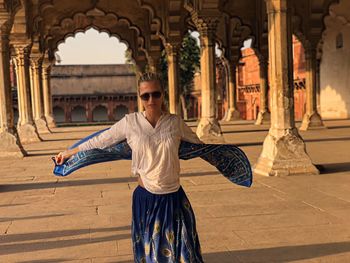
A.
pixel 264 117
pixel 285 155
pixel 209 131
pixel 10 146
pixel 41 126
pixel 28 134
pixel 50 122
pixel 232 115
pixel 311 121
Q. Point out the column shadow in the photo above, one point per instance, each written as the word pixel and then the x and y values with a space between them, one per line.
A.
pixel 333 168
pixel 275 254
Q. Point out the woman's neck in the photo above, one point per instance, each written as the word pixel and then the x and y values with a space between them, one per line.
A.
pixel 153 117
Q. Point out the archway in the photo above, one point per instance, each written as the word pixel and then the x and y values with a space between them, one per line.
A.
pixel 58 114
pixel 120 112
pixel 100 113
pixel 79 114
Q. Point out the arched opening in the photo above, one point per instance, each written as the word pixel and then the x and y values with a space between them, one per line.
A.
pixel 334 95
pixel 100 113
pixel 248 81
pixel 92 71
pixel 58 114
pixel 91 47
pixel 120 112
pixel 189 68
pixel 79 114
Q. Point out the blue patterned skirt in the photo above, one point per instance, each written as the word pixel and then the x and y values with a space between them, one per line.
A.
pixel 164 228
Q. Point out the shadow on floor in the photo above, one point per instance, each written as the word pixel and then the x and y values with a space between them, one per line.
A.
pixel 9 219
pixel 245 131
pixel 64 139
pixel 10 238
pixel 23 247
pixel 276 254
pixel 338 127
pixel 287 253
pixel 57 260
pixel 328 139
pixel 333 168
pixel 42 153
pixel 67 183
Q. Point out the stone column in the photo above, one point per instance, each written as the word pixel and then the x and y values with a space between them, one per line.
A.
pixel 37 96
pixel 283 150
pixel 10 146
pixel 47 97
pixel 208 129
pixel 264 113
pixel 139 101
pixel 311 118
pixel 232 112
pixel 26 130
pixel 172 52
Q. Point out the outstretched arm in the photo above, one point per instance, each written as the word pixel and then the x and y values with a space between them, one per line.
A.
pixel 105 139
pixel 187 134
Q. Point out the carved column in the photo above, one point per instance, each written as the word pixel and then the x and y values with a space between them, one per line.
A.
pixel 232 112
pixel 47 97
pixel 283 150
pixel 312 118
pixel 172 52
pixel 10 146
pixel 153 60
pixel 264 113
pixel 26 130
pixel 37 96
pixel 208 129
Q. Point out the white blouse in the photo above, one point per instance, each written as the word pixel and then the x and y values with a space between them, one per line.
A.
pixel 154 150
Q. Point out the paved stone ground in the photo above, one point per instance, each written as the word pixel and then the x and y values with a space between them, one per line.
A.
pixel 86 217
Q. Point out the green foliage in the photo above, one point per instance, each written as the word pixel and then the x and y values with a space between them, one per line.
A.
pixel 189 62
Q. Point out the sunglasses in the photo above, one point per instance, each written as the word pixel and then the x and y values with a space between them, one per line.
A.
pixel 147 95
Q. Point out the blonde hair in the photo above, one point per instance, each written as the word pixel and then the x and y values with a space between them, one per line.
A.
pixel 150 76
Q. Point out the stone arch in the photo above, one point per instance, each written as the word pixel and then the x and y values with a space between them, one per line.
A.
pixel 100 113
pixel 238 33
pixel 52 13
pixel 59 114
pixel 78 114
pixel 120 111
pixel 110 23
pixel 334 91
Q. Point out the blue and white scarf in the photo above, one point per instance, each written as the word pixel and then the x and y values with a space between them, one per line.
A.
pixel 228 159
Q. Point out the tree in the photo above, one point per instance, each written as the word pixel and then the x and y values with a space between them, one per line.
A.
pixel 189 62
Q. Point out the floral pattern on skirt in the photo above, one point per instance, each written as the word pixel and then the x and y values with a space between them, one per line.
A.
pixel 164 228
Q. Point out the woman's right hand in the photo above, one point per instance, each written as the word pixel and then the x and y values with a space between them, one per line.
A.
pixel 61 157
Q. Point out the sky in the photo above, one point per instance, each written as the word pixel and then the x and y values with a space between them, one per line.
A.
pixel 93 47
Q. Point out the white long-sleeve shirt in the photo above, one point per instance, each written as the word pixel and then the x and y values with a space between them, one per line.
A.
pixel 154 150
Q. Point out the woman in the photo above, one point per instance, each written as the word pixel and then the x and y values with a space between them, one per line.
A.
pixel 163 222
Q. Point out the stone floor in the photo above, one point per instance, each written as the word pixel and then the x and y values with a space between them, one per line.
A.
pixel 85 217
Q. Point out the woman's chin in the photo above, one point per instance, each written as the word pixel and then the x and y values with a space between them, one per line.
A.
pixel 153 108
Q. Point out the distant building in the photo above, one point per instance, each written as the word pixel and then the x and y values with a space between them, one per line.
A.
pixel 248 87
pixel 93 93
